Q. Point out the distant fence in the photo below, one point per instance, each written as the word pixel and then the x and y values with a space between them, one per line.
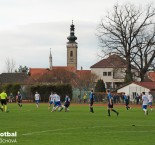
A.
pixel 77 96
pixel 102 97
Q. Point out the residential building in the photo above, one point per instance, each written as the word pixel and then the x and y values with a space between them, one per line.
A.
pixel 112 70
pixel 6 78
pixel 136 88
pixel 149 76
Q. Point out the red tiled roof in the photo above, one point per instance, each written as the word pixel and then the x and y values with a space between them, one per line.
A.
pixel 151 76
pixel 149 85
pixel 83 72
pixel 42 71
pixel 68 68
pixel 113 61
pixel 38 71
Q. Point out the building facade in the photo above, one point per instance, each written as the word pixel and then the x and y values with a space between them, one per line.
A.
pixel 112 71
pixel 135 89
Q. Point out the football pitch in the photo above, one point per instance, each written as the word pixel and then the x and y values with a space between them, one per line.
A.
pixel 78 126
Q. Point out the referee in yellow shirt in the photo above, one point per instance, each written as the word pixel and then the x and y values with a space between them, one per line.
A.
pixel 3 97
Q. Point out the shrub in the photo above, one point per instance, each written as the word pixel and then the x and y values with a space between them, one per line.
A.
pixel 100 86
pixel 45 91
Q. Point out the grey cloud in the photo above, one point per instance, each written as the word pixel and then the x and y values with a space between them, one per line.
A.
pixel 34 40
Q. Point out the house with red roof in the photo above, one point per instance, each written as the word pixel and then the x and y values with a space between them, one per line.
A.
pixel 8 78
pixel 150 76
pixel 57 73
pixel 112 70
pixel 136 88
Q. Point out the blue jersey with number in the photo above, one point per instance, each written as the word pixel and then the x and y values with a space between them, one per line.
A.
pixel 91 96
pixel 110 97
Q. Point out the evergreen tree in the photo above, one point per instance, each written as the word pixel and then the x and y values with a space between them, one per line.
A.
pixel 100 86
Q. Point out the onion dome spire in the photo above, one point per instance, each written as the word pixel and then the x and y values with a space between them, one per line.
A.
pixel 72 37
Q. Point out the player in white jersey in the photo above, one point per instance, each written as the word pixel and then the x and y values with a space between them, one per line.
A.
pixel 57 103
pixel 145 103
pixel 150 97
pixel 51 100
pixel 37 99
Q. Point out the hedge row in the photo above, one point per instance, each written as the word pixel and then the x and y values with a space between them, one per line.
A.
pixel 10 88
pixel 45 91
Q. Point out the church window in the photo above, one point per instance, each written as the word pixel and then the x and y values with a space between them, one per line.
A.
pixel 71 53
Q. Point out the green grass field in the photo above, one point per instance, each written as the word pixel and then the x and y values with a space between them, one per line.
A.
pixel 79 126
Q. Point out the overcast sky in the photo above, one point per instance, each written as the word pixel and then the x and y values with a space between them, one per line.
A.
pixel 29 28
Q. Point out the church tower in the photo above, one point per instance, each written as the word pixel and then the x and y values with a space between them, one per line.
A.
pixel 50 60
pixel 72 48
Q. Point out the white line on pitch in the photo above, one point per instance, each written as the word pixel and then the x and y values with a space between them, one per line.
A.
pixel 54 130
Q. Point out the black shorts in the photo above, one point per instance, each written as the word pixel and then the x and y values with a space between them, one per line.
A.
pixel 127 102
pixel 3 101
pixel 66 105
pixel 91 102
pixel 110 105
pixel 19 101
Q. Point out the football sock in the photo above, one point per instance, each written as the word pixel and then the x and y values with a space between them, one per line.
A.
pixel 108 112
pixel 54 109
pixel 61 108
pixel 145 111
pixel 1 108
pixel 92 110
pixel 65 109
pixel 127 107
pixel 114 111
pixel 5 108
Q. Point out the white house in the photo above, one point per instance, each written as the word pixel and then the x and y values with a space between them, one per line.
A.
pixel 112 70
pixel 136 88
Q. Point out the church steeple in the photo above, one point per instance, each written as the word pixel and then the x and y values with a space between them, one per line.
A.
pixel 50 60
pixel 72 37
pixel 72 48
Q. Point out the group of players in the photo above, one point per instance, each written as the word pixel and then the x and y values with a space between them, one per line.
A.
pixel 146 101
pixel 4 97
pixel 54 99
pixel 110 102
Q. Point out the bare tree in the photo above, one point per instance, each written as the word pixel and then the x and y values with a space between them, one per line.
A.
pixel 10 65
pixel 145 53
pixel 121 29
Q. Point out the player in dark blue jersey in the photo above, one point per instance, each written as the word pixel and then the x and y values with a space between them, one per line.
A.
pixel 91 101
pixel 19 99
pixel 66 104
pixel 126 99
pixel 110 104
